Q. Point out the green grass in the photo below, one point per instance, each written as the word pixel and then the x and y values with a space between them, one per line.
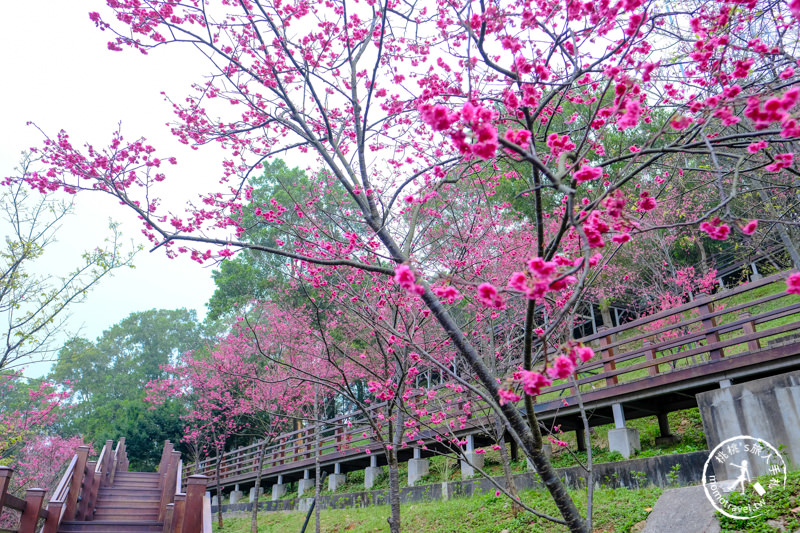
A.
pixel 615 510
pixel 777 514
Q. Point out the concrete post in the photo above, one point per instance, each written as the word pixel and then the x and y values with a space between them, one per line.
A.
pixel 305 484
pixel 475 459
pixel 417 467
pixel 336 479
pixel 622 439
pixel 665 437
pixel 256 493
pixel 372 473
pixel 236 495
pixel 278 489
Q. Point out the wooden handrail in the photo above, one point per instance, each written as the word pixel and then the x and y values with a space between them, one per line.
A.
pixel 696 329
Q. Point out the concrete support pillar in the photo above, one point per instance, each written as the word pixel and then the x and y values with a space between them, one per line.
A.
pixel 215 500
pixel 472 460
pixel 372 473
pixel 622 439
pixel 417 468
pixel 548 451
pixel 256 493
pixel 278 489
pixel 666 437
pixel 725 383
pixel 236 495
pixel 336 479
pixel 580 437
pixel 306 484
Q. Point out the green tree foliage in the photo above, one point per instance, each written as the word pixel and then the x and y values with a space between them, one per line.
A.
pixel 109 378
pixel 33 305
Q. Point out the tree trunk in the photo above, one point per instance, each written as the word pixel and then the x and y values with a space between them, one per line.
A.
pixel 394 491
pixel 259 469
pixel 219 490
pixel 511 487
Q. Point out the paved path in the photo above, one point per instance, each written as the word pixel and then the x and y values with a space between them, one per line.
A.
pixel 683 510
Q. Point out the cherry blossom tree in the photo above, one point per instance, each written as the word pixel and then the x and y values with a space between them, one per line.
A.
pixel 412 115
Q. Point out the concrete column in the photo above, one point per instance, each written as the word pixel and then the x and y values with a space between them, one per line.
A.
pixel 236 495
pixel 336 479
pixel 255 493
pixel 417 467
pixel 215 500
pixel 725 383
pixel 548 452
pixel 666 437
pixel 475 459
pixel 305 484
pixel 278 489
pixel 622 439
pixel 580 437
pixel 372 473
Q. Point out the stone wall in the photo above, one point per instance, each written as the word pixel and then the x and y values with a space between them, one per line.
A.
pixel 633 473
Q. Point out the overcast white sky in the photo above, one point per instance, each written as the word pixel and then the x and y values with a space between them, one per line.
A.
pixel 58 73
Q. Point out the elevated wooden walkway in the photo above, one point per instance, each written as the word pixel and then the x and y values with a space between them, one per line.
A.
pixel 103 497
pixel 648 367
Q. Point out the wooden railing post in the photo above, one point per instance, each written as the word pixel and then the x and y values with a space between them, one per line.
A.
pixel 107 459
pixel 120 452
pixel 53 517
pixel 162 466
pixel 193 510
pixel 5 479
pixel 607 355
pixel 75 486
pixel 178 513
pixel 88 486
pixel 30 516
pixel 708 323
pixel 171 478
pixel 749 328
pixel 650 355
pixel 168 515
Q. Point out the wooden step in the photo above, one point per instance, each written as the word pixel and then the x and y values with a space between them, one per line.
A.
pixel 140 494
pixel 127 516
pixel 111 526
pixel 145 485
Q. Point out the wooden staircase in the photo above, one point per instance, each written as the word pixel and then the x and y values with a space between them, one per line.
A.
pixel 103 497
pixel 132 504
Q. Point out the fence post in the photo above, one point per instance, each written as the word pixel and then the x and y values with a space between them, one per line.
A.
pixel 193 510
pixel 607 355
pixel 650 355
pixel 708 323
pixel 162 466
pixel 33 504
pixel 75 486
pixel 749 328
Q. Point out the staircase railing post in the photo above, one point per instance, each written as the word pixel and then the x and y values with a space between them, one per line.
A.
pixel 107 463
pixel 193 510
pixel 168 490
pixel 53 517
pixel 75 484
pixel 168 514
pixel 88 486
pixel 178 513
pixel 5 479
pixel 162 466
pixel 33 504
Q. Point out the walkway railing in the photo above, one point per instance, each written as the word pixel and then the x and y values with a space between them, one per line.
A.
pixel 671 346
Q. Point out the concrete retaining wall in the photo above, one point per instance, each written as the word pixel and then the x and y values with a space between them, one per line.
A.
pixel 633 473
pixel 767 409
